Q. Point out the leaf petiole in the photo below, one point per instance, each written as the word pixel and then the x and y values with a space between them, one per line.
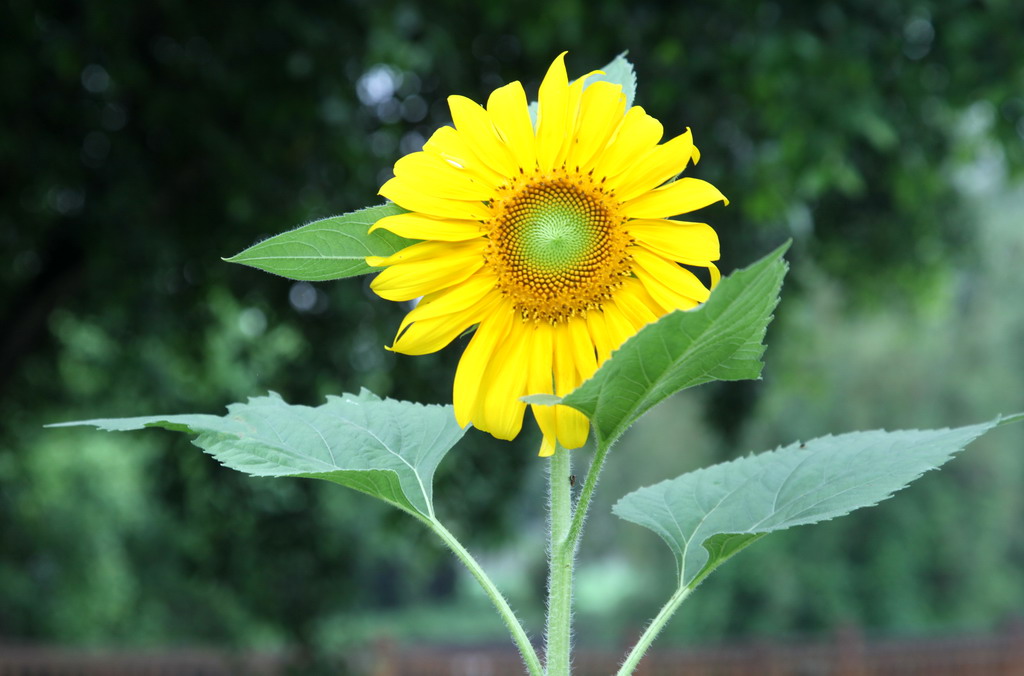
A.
pixel 519 636
pixel 653 629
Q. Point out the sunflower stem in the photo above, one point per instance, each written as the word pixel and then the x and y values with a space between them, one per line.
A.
pixel 652 631
pixel 561 557
pixel 522 641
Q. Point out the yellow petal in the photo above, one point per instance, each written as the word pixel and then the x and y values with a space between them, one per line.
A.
pixel 673 287
pixel 598 329
pixel 453 299
pixel 566 374
pixel 415 196
pixel 669 273
pixel 451 146
pixel 640 294
pixel 573 426
pixel 540 381
pixel 716 275
pixel 582 347
pixel 479 353
pixel 552 114
pixel 475 125
pixel 631 302
pixel 424 336
pixel 620 329
pixel 431 335
pixel 442 316
pixel 541 378
pixel 636 135
pixel 426 267
pixel 425 251
pixel 657 166
pixel 420 226
pixel 678 197
pixel 511 116
pixel 572 113
pixel 602 107
pixel 504 383
pixel 558 106
pixel 444 178
pixel 682 241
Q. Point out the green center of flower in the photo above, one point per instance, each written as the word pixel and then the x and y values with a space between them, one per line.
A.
pixel 557 245
pixel 556 237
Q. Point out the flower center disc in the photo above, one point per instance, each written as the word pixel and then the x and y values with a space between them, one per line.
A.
pixel 557 245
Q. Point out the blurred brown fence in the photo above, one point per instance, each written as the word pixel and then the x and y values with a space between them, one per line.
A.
pixel 847 654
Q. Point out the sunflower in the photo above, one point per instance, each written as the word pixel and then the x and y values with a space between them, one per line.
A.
pixel 553 240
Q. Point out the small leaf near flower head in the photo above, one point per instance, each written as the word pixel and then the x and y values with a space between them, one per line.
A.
pixel 720 340
pixel 331 248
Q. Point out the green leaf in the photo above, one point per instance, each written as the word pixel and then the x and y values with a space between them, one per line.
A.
pixel 721 340
pixel 331 248
pixel 388 449
pixel 728 506
pixel 620 71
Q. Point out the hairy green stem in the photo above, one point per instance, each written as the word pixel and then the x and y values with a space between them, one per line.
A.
pixel 561 555
pixel 522 641
pixel 652 631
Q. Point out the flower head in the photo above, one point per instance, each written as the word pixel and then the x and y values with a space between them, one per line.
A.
pixel 553 240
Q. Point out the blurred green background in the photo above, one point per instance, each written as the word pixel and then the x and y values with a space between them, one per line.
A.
pixel 141 142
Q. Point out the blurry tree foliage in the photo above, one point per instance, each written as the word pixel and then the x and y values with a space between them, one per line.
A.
pixel 143 141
